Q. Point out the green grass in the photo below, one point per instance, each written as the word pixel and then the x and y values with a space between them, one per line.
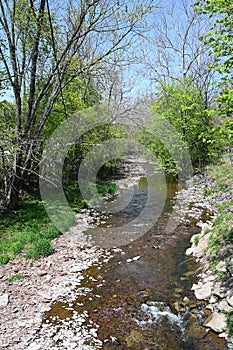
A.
pixel 25 230
pixel 42 247
pixel 29 230
pixel 196 240
pixel 229 315
pixel 15 277
pixel 221 238
pixel 74 196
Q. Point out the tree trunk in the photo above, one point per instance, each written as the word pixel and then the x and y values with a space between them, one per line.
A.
pixel 13 182
pixel 12 191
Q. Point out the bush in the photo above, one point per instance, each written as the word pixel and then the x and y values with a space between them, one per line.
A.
pixel 40 248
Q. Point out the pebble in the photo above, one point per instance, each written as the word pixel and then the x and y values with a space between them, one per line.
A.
pixel 4 300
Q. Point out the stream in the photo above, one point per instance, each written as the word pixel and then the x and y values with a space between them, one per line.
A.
pixel 141 297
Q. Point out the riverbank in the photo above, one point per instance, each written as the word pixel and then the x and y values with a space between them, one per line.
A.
pixel 212 248
pixel 58 280
pixel 43 281
pixel 29 287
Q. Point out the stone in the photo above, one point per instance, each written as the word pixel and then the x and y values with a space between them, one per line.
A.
pixel 4 300
pixel 230 301
pixel 224 305
pixel 189 251
pixel 213 299
pixel 204 291
pixel 217 322
pixel 75 269
pixel 222 266
pixel 219 290
pixel 201 247
pixel 134 337
pixel 42 272
pixel 209 278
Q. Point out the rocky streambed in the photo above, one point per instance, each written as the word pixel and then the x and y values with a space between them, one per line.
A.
pixel 136 296
pixel 216 291
pixel 44 281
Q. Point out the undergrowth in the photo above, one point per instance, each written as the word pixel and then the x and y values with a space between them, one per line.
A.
pixel 29 230
pixel 220 245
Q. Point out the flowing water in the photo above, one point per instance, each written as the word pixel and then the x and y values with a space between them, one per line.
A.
pixel 141 298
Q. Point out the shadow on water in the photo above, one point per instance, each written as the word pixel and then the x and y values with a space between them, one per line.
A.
pixel 146 303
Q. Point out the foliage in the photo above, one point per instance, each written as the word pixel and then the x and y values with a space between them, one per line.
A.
pixel 221 232
pixel 29 230
pixel 221 40
pixel 51 57
pixel 183 106
pixel 20 230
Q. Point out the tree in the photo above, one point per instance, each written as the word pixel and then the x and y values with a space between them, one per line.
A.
pixel 220 39
pixel 45 48
pixel 177 48
pixel 182 104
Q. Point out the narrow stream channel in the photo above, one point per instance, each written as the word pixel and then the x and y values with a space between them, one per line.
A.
pixel 141 298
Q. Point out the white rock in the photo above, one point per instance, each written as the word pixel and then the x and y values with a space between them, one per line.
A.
pixel 217 322
pixel 219 290
pixel 230 301
pixel 222 266
pixel 4 300
pixel 223 335
pixel 202 245
pixel 189 251
pixel 34 346
pixel 205 291
pixel 223 305
pixel 213 299
pixel 136 258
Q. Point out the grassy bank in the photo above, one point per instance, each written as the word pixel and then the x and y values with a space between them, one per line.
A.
pixel 220 245
pixel 28 231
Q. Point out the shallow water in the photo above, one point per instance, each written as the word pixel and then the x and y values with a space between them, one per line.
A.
pixel 142 299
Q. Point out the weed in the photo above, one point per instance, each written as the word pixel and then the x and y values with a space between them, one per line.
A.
pixel 223 230
pixel 230 235
pixel 207 192
pixel 229 315
pixel 208 230
pixel 222 275
pixel 219 219
pixel 15 277
pixel 196 240
pixel 214 242
pixel 112 188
